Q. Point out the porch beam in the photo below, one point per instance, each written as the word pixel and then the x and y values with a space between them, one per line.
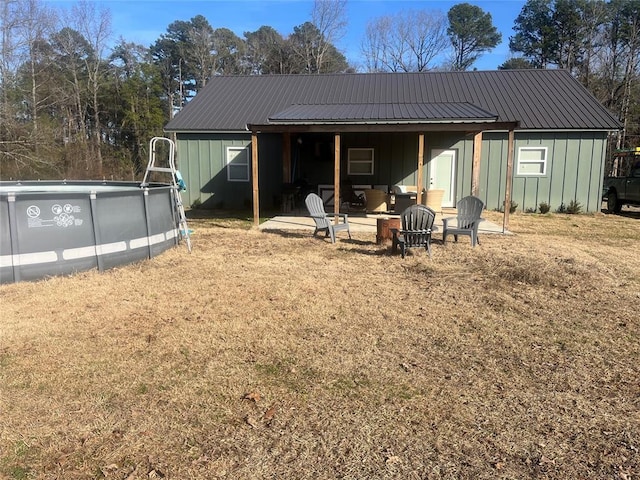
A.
pixel 286 157
pixel 420 167
pixel 475 167
pixel 385 128
pixel 254 178
pixel 336 177
pixel 508 181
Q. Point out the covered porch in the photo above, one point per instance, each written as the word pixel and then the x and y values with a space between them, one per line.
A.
pixel 421 126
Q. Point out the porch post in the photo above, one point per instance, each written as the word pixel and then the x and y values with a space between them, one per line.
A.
pixel 286 157
pixel 254 178
pixel 475 168
pixel 507 188
pixel 420 167
pixel 336 177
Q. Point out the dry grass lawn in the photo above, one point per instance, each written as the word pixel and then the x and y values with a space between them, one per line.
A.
pixel 281 356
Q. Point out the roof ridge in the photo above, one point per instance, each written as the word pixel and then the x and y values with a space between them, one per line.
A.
pixel 356 74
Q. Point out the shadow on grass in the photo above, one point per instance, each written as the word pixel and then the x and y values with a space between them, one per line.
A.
pixel 309 234
pixel 628 212
pixel 225 218
pixel 204 213
pixel 287 233
pixel 379 252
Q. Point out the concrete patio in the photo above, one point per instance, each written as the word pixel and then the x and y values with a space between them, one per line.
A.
pixel 363 222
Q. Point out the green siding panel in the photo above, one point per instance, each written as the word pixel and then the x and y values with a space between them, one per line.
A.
pixel 573 172
pixel 575 164
pixel 493 168
pixel 597 175
pixel 201 159
pixel 202 162
pixel 395 158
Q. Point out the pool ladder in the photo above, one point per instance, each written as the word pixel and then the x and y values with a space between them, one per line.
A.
pixel 176 182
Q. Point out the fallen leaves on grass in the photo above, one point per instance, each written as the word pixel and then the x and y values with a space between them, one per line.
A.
pixel 253 396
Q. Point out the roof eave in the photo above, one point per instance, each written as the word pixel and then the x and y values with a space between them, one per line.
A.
pixel 383 122
pixel 204 130
pixel 384 127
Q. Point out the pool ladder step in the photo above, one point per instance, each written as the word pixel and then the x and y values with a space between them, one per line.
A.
pixel 176 183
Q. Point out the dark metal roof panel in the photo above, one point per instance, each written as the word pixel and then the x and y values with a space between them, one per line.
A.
pixel 539 99
pixel 385 112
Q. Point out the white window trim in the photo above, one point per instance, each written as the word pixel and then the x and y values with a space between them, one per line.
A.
pixel 349 161
pixel 543 161
pixel 228 164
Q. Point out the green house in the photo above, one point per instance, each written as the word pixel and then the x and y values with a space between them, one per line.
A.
pixel 528 136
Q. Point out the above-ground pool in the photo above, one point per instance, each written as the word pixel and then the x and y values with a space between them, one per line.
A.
pixel 57 228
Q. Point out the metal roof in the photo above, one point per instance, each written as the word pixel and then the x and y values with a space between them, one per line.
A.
pixel 391 113
pixel 538 99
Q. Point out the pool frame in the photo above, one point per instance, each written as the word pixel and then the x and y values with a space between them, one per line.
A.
pixel 59 228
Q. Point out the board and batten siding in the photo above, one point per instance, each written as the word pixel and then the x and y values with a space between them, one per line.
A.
pixel 463 147
pixel 575 162
pixel 201 159
pixel 396 157
pixel 574 169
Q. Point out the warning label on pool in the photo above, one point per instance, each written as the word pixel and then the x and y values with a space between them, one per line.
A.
pixel 63 216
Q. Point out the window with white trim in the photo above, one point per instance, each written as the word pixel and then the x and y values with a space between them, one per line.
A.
pixel 532 161
pixel 237 164
pixel 360 161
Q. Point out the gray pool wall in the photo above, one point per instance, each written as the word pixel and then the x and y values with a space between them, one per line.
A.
pixel 58 228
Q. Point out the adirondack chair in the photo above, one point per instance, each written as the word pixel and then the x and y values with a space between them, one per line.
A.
pixel 468 219
pixel 324 221
pixel 417 224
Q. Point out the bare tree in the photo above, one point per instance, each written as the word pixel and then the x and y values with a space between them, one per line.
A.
pixel 594 15
pixel 69 50
pixel 37 26
pixel 330 18
pixel 25 26
pixel 95 27
pixel 374 45
pixel 10 21
pixel 407 42
pixel 301 48
pixel 631 37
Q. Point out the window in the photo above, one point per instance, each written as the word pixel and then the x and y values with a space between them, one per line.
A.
pixel 237 164
pixel 360 161
pixel 532 161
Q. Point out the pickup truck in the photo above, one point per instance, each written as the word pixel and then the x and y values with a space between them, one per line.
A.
pixel 623 190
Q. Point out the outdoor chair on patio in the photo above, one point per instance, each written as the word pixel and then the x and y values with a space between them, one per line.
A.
pixel 417 224
pixel 468 219
pixel 350 198
pixel 324 221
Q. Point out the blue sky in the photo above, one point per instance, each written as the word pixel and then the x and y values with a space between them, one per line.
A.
pixel 143 21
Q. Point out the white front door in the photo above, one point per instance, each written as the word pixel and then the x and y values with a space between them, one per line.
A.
pixel 443 175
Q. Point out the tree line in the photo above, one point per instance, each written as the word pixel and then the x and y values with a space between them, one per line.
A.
pixel 76 104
